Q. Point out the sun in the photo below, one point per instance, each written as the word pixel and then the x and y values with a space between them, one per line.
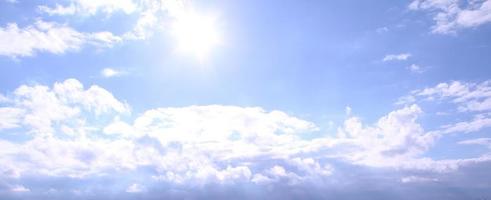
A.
pixel 196 34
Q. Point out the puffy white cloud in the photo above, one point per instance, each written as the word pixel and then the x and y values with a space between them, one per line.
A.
pixel 217 123
pixel 67 141
pixel 94 98
pixel 10 117
pixel 392 57
pixel 48 37
pixel 393 141
pixel 39 107
pixel 196 146
pixel 453 15
pixel 396 131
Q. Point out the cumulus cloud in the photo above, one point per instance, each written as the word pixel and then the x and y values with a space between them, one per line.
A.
pixel 47 37
pixel 83 135
pixel 10 117
pixel 39 107
pixel 453 15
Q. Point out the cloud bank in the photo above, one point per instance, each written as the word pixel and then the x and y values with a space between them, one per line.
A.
pixel 71 139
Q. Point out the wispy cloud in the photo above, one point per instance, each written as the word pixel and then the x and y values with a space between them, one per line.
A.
pixel 416 68
pixel 110 72
pixel 417 179
pixel 48 37
pixel 395 57
pixel 82 7
pixel 479 141
pixel 451 16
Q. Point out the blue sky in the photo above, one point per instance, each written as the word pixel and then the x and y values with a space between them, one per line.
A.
pixel 151 99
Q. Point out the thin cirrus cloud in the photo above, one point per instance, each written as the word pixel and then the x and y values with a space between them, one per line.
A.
pixel 111 72
pixel 452 16
pixel 396 57
pixel 81 7
pixel 79 133
pixel 479 141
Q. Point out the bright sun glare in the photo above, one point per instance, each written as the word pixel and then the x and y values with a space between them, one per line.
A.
pixel 196 34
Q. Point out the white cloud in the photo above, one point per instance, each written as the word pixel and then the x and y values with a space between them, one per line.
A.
pixel 90 7
pixel 382 30
pixel 103 39
pixel 152 13
pixel 396 131
pixel 417 179
pixel 39 107
pixel 347 110
pixel 144 26
pixel 48 37
pixel 476 124
pixel 394 140
pixel 470 97
pixel 219 123
pixel 10 117
pixel 58 9
pixel 70 139
pixel 94 98
pixel 135 188
pixel 110 72
pixel 3 99
pixel 478 141
pixel 416 69
pixel 467 97
pixel 392 57
pixel 43 36
pixel 19 188
pixel 453 15
pixel 197 145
